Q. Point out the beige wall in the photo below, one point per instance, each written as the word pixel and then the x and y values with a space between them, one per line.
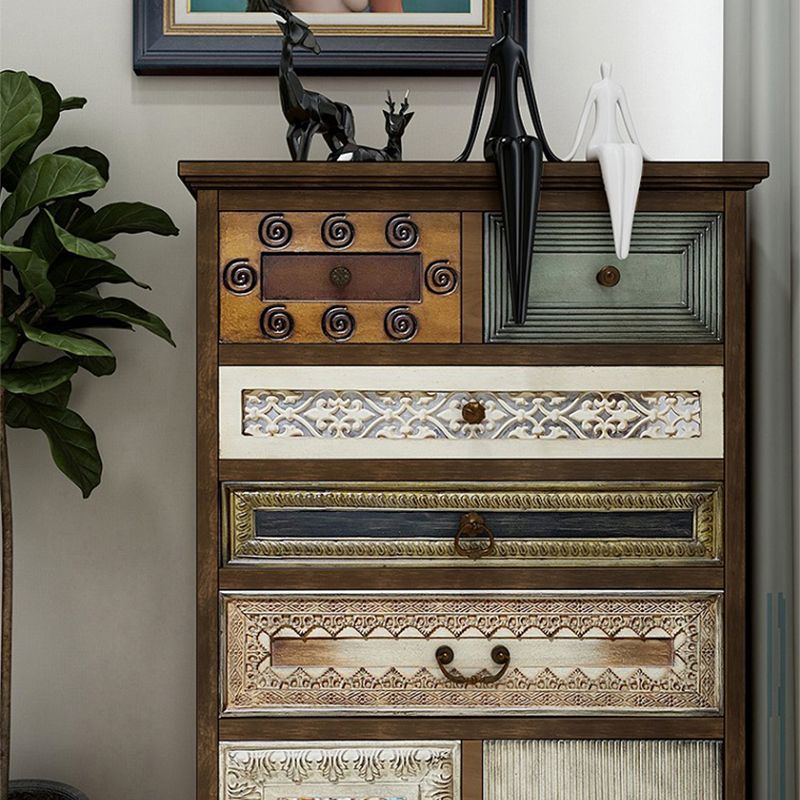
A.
pixel 104 645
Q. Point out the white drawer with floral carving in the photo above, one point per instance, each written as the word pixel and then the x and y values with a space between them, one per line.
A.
pixel 471 652
pixel 342 770
pixel 471 412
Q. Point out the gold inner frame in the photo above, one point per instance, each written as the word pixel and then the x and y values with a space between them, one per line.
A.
pixel 173 28
pixel 703 499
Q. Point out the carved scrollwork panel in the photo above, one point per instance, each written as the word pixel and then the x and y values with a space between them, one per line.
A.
pixel 570 652
pixel 422 770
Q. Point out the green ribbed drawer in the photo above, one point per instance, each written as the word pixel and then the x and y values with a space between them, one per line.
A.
pixel 670 287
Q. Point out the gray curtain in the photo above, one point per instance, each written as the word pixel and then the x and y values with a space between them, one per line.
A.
pixel 762 103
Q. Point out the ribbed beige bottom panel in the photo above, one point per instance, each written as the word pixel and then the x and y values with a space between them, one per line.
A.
pixel 602 770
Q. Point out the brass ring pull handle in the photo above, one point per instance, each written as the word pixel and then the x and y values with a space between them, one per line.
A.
pixel 500 655
pixel 471 526
pixel 608 276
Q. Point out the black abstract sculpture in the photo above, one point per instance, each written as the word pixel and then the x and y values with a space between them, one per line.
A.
pixel 517 156
pixel 306 112
pixel 309 113
pixel 396 122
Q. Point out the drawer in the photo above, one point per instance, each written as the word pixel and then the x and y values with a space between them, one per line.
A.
pixel 669 289
pixel 480 524
pixel 346 770
pixel 471 653
pixel 602 770
pixel 335 277
pixel 471 412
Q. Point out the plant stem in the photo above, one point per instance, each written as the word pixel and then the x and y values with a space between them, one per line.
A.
pixel 6 577
pixel 7 587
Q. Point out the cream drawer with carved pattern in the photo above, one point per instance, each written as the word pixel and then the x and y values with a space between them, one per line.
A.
pixel 471 653
pixel 470 412
pixel 343 770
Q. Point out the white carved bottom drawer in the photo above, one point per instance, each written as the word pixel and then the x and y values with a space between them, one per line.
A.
pixel 340 771
pixel 440 652
pixel 602 770
pixel 470 412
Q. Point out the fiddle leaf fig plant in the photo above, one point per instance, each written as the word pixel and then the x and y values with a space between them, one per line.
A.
pixel 54 265
pixel 53 301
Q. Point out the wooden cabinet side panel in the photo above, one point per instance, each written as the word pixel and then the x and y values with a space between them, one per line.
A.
pixel 735 502
pixel 207 502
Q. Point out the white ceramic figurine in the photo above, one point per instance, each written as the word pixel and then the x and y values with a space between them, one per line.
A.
pixel 620 160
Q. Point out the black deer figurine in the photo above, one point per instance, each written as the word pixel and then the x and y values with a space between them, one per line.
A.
pixel 306 112
pixel 396 122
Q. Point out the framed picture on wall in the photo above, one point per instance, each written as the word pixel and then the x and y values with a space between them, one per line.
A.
pixel 356 36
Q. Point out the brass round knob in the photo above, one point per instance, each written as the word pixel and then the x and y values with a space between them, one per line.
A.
pixel 340 277
pixel 608 276
pixel 473 413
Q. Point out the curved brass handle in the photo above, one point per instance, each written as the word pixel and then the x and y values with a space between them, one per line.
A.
pixel 500 655
pixel 471 526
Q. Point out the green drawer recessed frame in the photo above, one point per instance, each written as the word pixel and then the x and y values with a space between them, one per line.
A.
pixel 668 290
pixel 480 524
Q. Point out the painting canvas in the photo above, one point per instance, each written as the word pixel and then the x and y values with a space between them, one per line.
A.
pixel 357 36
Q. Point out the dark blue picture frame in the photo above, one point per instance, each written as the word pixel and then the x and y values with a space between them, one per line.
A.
pixel 158 53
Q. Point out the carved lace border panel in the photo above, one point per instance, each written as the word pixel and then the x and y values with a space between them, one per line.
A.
pixel 394 414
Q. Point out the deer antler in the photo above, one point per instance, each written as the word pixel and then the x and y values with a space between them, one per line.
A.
pixel 390 102
pixel 404 106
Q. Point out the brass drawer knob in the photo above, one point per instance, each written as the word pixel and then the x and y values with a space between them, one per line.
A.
pixel 473 413
pixel 340 277
pixel 500 655
pixel 608 276
pixel 473 527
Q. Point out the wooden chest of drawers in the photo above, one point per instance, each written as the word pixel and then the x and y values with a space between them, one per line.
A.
pixel 443 556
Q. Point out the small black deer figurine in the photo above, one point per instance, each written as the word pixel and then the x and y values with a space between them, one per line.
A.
pixel 396 123
pixel 306 112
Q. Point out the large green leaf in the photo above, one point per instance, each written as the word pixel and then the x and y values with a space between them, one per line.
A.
pixel 20 112
pixel 97 365
pixel 90 156
pixel 72 442
pixel 47 178
pixel 8 339
pixel 30 377
pixel 32 272
pixel 76 245
pixel 51 110
pixel 116 218
pixel 75 274
pixel 114 308
pixel 39 236
pixel 68 342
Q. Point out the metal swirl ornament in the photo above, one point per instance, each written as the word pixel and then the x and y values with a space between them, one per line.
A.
pixel 401 232
pixel 441 278
pixel 400 324
pixel 274 231
pixel 239 277
pixel 277 323
pixel 337 231
pixel 338 323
